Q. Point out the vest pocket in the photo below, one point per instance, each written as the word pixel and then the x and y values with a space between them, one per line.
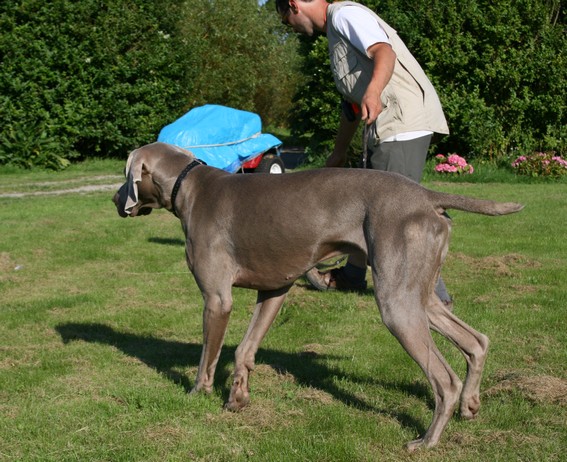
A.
pixel 342 62
pixel 347 70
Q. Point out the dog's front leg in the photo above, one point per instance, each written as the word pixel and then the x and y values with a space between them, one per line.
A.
pixel 215 320
pixel 267 306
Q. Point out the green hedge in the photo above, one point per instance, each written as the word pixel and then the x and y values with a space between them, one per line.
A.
pixel 98 78
pixel 83 78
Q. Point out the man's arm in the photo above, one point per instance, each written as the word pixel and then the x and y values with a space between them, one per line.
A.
pixel 384 60
pixel 347 129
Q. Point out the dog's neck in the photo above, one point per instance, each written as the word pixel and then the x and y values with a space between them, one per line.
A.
pixel 180 179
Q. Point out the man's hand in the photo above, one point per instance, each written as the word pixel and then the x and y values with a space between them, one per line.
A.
pixel 371 105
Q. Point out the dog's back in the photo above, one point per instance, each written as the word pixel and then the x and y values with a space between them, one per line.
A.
pixel 350 187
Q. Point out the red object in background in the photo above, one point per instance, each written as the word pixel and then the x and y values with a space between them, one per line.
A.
pixel 252 163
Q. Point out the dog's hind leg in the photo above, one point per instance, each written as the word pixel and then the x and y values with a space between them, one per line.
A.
pixel 268 305
pixel 404 273
pixel 215 320
pixel 407 321
pixel 472 344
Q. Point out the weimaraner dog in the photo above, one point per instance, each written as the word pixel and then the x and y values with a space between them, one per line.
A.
pixel 265 231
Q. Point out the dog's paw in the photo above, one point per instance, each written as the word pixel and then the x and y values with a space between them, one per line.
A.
pixel 414 445
pixel 236 404
pixel 470 407
pixel 239 396
pixel 201 389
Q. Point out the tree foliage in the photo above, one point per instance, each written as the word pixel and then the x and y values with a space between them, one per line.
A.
pixel 499 67
pixel 82 78
pixel 245 58
pixel 315 114
pixel 99 77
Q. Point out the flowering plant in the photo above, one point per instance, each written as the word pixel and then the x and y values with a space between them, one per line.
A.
pixel 541 164
pixel 453 163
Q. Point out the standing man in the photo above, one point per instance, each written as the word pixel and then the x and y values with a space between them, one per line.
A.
pixel 375 72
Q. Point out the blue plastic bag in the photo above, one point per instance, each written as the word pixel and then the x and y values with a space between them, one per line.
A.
pixel 221 136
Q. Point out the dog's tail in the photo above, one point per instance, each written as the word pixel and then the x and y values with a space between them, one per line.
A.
pixel 470 204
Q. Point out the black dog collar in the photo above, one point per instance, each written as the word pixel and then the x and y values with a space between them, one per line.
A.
pixel 180 179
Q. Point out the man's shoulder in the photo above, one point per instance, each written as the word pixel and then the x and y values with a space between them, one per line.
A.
pixel 350 13
pixel 358 24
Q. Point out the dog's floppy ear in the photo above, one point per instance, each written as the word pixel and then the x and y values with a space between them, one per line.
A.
pixel 133 172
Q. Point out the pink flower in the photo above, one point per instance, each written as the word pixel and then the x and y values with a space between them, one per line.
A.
pixel 541 164
pixel 446 168
pixel 518 161
pixel 453 163
pixel 455 159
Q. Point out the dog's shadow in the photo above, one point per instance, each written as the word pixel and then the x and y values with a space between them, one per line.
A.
pixel 168 356
pixel 167 241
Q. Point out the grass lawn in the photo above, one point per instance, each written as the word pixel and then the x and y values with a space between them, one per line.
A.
pixel 100 327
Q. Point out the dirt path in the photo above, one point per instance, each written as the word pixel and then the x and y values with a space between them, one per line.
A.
pixel 71 186
pixel 292 157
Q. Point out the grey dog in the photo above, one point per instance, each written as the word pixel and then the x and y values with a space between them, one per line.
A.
pixel 265 231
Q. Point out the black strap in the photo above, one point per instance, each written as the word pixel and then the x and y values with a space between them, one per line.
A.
pixel 180 179
pixel 365 136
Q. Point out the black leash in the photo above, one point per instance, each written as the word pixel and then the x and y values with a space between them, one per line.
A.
pixel 180 179
pixel 365 145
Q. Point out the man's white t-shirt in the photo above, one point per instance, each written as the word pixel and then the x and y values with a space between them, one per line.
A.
pixel 362 30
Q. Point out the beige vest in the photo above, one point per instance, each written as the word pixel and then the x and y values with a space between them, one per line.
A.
pixel 409 101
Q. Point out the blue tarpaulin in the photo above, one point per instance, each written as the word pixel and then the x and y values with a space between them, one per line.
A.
pixel 221 136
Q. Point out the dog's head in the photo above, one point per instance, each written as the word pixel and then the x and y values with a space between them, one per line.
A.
pixel 148 185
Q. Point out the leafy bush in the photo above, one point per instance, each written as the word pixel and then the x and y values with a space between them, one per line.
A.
pixel 541 164
pixel 499 67
pixel 29 145
pixel 246 59
pixel 452 164
pixel 316 110
pixel 98 78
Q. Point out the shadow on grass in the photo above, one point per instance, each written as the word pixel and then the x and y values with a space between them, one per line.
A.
pixel 309 370
pixel 167 241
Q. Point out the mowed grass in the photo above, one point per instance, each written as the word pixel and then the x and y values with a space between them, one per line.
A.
pixel 100 327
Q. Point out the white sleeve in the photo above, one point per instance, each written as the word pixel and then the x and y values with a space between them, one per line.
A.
pixel 359 28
